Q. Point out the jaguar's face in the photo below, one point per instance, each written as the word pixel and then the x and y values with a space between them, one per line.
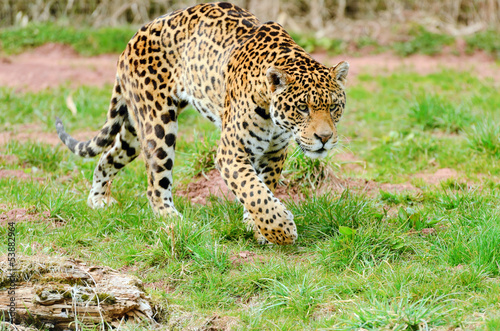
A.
pixel 309 106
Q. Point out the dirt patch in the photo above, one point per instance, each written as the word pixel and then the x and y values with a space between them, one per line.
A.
pixel 428 231
pixel 202 187
pixel 18 174
pixel 349 161
pixel 289 192
pixel 439 176
pixel 245 257
pixel 21 215
pixel 480 64
pixel 372 188
pixel 220 323
pixel 178 319
pixel 160 285
pixel 9 159
pixel 211 184
pixel 34 133
pixel 52 65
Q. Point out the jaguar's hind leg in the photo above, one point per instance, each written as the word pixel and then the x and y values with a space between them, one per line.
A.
pixel 157 132
pixel 125 149
pixel 159 158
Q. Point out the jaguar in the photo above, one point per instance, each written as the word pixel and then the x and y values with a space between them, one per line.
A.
pixel 249 78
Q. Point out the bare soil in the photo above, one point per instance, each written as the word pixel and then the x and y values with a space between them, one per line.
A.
pixel 246 257
pixel 34 133
pixel 18 174
pixel 205 185
pixel 211 184
pixel 479 64
pixel 20 215
pixel 53 65
pixel 438 176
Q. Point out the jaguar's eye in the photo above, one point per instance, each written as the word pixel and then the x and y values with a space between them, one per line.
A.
pixel 333 108
pixel 303 108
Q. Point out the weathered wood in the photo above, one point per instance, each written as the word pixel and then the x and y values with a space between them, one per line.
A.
pixel 61 293
pixel 6 326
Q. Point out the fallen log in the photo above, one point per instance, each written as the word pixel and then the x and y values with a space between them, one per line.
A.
pixel 59 293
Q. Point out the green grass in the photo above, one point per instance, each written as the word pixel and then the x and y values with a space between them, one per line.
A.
pixel 363 259
pixel 311 173
pixel 424 42
pixel 432 112
pixel 42 108
pixel 311 43
pixel 486 40
pixel 423 123
pixel 86 41
pixel 484 137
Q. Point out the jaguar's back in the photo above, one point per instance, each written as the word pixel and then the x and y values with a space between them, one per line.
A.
pixel 185 54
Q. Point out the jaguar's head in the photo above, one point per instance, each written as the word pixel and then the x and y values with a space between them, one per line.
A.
pixel 309 103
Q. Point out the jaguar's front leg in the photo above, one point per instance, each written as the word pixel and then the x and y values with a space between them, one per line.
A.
pixel 272 220
pixel 268 168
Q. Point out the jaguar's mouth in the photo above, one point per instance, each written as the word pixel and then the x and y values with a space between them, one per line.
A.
pixel 319 153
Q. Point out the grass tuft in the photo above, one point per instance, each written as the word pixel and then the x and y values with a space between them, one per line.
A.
pixel 402 313
pixel 424 42
pixel 300 170
pixel 485 40
pixel 484 137
pixel 36 155
pixel 406 152
pixel 433 112
pixel 364 248
pixel 479 248
pixel 321 216
pixel 297 299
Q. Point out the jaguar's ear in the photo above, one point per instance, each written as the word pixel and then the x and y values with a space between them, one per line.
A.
pixel 277 79
pixel 340 71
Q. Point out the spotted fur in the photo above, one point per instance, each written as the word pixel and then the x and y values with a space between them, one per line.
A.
pixel 249 78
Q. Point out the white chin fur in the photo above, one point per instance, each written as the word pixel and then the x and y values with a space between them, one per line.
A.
pixel 315 155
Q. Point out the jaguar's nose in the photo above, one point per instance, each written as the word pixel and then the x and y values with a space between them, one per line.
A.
pixel 323 136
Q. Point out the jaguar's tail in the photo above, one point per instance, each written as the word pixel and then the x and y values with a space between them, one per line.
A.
pixel 95 146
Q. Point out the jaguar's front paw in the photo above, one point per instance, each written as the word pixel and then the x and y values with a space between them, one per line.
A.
pixel 168 211
pixel 250 226
pixel 277 227
pixel 100 201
